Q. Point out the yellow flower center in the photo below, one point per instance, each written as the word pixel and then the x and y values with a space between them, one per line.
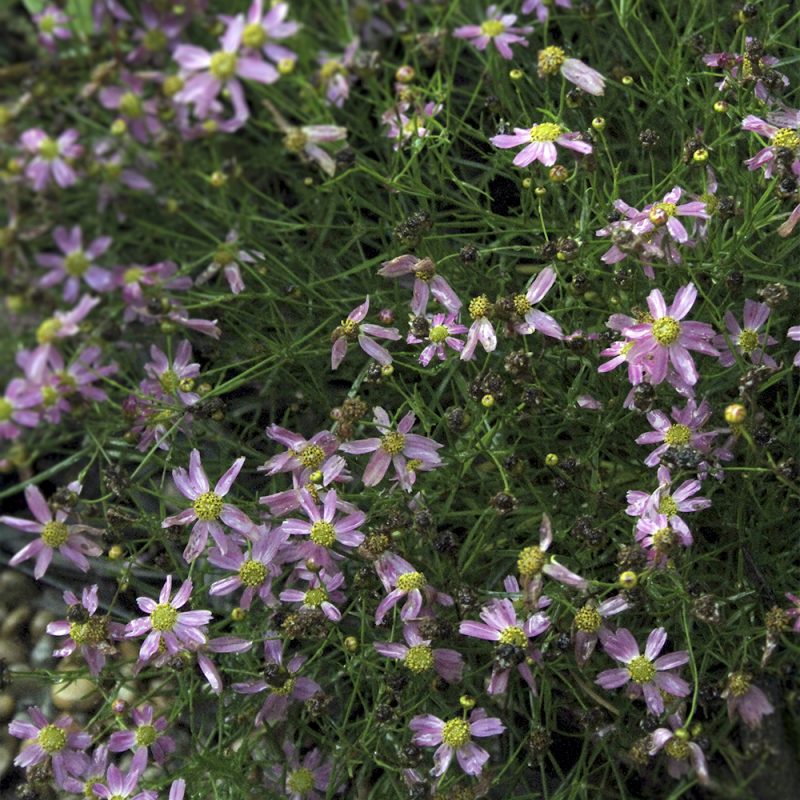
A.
pixel 667 506
pixel 286 689
pixel 92 632
pixel 169 381
pixel 50 396
pixel 76 263
pixel 513 635
pixel 208 506
pixel 530 561
pixel 748 340
pixel 479 306
pixel 130 105
pixel 588 620
pixel 311 456
pixel 393 443
pixel 146 735
pixel 329 69
pixel 51 738
pixel 641 669
pixel 660 213
pixel 48 149
pixel 323 534
pixel 664 539
pixel 438 334
pixel 666 331
pixel 223 65
pixel 48 331
pixel 54 534
pixel 677 748
pixel 47 23
pixel 521 304
pixel 155 39
pixel 492 27
pixel 254 36
pixel 133 275
pixel 456 733
pixel 172 85
pixel 546 132
pixel 678 435
pixel 300 781
pixel 252 573
pixel 6 409
pixel 786 137
pixel 411 580
pixel 163 617
pixel 419 658
pixel 739 684
pixel 550 60
pixel 315 597
pixel 295 141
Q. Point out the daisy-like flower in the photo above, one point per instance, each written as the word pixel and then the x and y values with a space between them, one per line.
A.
pixel 262 31
pixel 323 531
pixel 306 779
pixel 304 457
pixel 335 74
pixel 667 339
pixel 779 138
pixel 208 507
pixel 403 582
pixel 419 657
pixel 305 140
pixel 121 786
pixel 59 741
pixel 352 330
pixel 540 143
pixel 426 282
pixel 442 331
pixel 51 159
pixel 682 753
pixel 680 432
pixel 746 699
pixel 501 624
pixel 54 534
pixel 148 734
pixel 747 69
pixel 18 407
pixel 407 452
pixel 165 623
pixel 322 593
pixel 663 216
pixel 137 281
pixel 139 116
pixel 454 738
pixel 499 29
pixel 553 60
pixel 481 331
pixel 253 571
pixel 542 7
pixel 589 625
pixel 659 538
pixel 283 683
pixel 52 24
pixel 86 630
pixel 535 319
pixel 650 673
pixel 75 264
pixel 747 341
pixel 167 380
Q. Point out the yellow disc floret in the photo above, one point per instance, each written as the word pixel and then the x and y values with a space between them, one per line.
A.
pixel 666 331
pixel 455 733
pixel 163 617
pixel 786 137
pixel 208 506
pixel 588 620
pixel 223 65
pixel 641 669
pixel 311 456
pixel 51 739
pixel 76 263
pixel 479 306
pixel 393 443
pixel 252 573
pixel 323 533
pixel 419 658
pixel 254 35
pixel 550 60
pixel 492 28
pixel 300 781
pixel 530 561
pixel 513 635
pixel 546 132
pixel 54 534
pixel 411 580
pixel 678 435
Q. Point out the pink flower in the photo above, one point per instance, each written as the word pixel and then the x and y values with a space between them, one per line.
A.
pixel 75 264
pixel 745 70
pixel 17 407
pixel 534 319
pixel 208 507
pixel 141 117
pixel 589 625
pixel 542 7
pixel 747 341
pixel 407 452
pixel 650 674
pixel 57 741
pixel 306 779
pixel 658 537
pixel 322 592
pixel 336 74
pixel 540 143
pixel 147 733
pixel 684 432
pixel 263 31
pixel 442 330
pixel 454 737
pixel 663 215
pixel 553 60
pixel 52 24
pixel 121 786
pixel 795 611
pixel 498 28
pixel 51 158
pixel 403 582
pixel 419 657
pixel 779 138
pixel 682 753
pixel 304 457
pixel 54 534
pixel 351 330
pixel 746 699
pixel 167 380
pixel 165 624
pixel 481 331
pixel 667 340
pixel 426 283
pixel 406 124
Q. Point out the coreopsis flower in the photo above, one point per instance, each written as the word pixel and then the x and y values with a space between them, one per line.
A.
pixel 659 538
pixel 667 339
pixel 779 138
pixel 352 330
pixel 282 683
pixel 170 379
pixel 52 24
pixel 306 779
pixel 304 457
pixel 147 735
pixel 252 571
pixel 682 753
pixel 747 341
pixel 335 74
pixel 747 69
pixel 684 431
pixel 403 582
pixel 533 318
pixel 419 657
pixel 589 625
pixel 51 159
pixel 304 141
pixel 540 143
pixel 454 738
pixel 322 592
pixel 85 629
pixel 542 7
pixel 794 334
pixel 119 785
pixel 59 741
pixel 166 625
pixel 553 60
pixel 746 699
pixel 407 452
pixel 138 281
pixel 75 264
pixel 442 330
pixel 650 673
pixel 159 33
pixel 54 535
pixel 405 123
pixel 323 530
pixel 93 772
pixel 139 115
pixel 794 611
pixel 481 331
pixel 501 624
pixel 18 405
pixel 499 29
pixel 208 507
pixel 263 31
pixel 426 282
pixel 64 324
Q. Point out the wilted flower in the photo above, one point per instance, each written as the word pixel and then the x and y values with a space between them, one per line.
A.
pixel 746 699
pixel 403 582
pixel 682 753
pixel 589 625
pixel 553 60
pixel 442 330
pixel 542 7
pixel 351 330
pixel 167 380
pixel 426 282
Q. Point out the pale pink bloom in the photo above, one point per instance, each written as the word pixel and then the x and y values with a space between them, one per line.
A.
pixel 658 537
pixel 335 74
pixel 52 24
pixel 321 592
pixel 263 31
pixel 403 582
pixel 442 331
pixel 733 62
pixel 684 431
pixel 141 116
pixel 746 699
pixel 662 216
pixel 418 655
pixel 147 733
pixel 64 324
pixel 306 779
pixel 51 158
pixel 498 28
pixel 75 264
pixel 221 644
pixel 168 379
pixel 352 329
pixel 794 611
pixel 136 280
pixel 651 674
pixel 542 7
pixel 454 738
pixel 534 319
pixel 540 143
pixel 18 406
pixel 121 786
pixel 481 331
pixel 747 341
pixel 677 742
pixel 589 625
pixel 305 141
pixel 779 137
pixel 304 456
pixel 406 124
pixel 426 282
pixel 553 60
